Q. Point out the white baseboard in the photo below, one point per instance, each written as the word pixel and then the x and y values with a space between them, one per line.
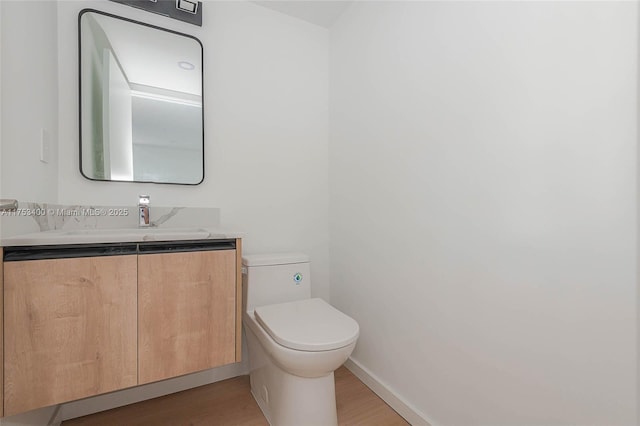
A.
pixel 406 410
pixel 124 397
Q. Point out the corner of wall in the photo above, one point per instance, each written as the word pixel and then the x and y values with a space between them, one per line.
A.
pixel 388 395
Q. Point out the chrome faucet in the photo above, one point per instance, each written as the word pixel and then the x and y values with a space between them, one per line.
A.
pixel 8 205
pixel 143 211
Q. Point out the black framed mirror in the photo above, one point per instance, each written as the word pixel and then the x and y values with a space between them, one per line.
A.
pixel 141 102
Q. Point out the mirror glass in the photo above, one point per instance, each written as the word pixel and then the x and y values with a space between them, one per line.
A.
pixel 141 115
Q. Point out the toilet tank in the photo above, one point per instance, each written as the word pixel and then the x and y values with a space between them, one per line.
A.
pixel 275 278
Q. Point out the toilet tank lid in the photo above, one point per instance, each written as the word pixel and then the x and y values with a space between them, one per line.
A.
pixel 274 259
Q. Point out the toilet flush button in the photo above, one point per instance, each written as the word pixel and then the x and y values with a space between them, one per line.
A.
pixel 297 278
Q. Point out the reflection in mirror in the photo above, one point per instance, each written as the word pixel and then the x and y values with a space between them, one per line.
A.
pixel 141 115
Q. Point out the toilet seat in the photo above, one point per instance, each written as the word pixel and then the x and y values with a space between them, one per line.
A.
pixel 307 325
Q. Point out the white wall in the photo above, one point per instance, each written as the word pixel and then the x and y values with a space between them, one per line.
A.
pixel 269 89
pixel 483 206
pixel 44 415
pixel 266 127
pixel 29 99
pixel 1 192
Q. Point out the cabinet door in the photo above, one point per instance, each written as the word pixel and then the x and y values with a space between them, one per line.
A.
pixel 1 331
pixel 70 329
pixel 186 312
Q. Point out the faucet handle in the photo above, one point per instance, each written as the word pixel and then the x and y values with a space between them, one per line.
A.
pixel 143 200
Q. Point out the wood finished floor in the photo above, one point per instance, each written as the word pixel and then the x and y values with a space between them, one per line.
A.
pixel 229 402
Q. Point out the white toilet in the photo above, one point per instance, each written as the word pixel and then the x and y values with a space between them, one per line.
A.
pixel 295 343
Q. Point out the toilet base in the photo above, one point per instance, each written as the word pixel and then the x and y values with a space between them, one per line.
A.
pixel 286 399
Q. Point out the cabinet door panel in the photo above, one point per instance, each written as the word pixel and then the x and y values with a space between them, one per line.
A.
pixel 1 335
pixel 70 329
pixel 186 312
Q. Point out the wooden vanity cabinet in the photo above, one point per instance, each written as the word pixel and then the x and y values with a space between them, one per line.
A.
pixel 70 328
pixel 187 309
pixel 1 335
pixel 82 320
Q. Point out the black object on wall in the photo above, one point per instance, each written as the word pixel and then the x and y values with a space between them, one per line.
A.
pixel 184 10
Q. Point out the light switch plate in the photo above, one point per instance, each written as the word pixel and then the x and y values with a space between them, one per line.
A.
pixel 45 146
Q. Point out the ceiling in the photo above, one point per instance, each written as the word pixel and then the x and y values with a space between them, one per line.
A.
pixel 323 13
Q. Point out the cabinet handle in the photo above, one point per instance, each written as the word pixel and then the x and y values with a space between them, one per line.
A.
pixel 185 246
pixel 19 253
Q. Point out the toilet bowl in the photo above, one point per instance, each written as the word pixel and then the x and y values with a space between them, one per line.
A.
pixel 295 342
